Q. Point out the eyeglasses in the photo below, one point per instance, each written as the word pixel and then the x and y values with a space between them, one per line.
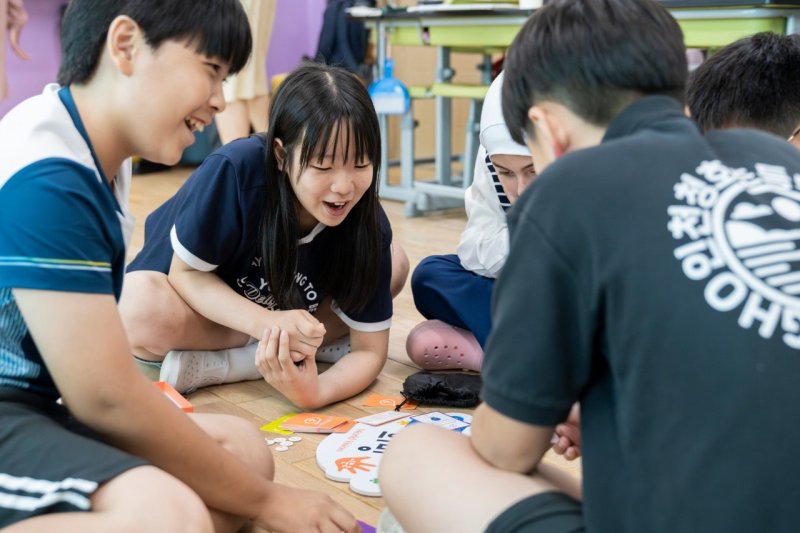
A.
pixel 794 134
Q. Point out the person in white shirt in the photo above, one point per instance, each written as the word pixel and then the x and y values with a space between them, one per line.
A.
pixel 454 291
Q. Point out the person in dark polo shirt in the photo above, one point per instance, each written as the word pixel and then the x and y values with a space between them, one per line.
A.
pixel 654 277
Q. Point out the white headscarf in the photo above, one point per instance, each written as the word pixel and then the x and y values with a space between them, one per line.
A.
pixel 495 136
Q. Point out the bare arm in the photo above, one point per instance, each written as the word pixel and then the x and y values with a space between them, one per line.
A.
pixel 301 384
pixel 206 293
pixel 82 341
pixel 508 444
pixel 85 349
pixel 357 370
pixel 521 447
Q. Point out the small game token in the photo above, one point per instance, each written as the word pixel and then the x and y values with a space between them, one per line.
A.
pixel 295 439
pixel 270 442
pixel 287 444
pixel 279 439
pixel 281 448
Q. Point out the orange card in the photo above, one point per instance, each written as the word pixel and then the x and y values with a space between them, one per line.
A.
pixel 344 428
pixel 389 402
pixel 314 423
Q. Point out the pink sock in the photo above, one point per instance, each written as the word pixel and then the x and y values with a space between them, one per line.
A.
pixel 436 345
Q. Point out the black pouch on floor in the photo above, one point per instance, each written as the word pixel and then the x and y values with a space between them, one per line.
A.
pixel 449 389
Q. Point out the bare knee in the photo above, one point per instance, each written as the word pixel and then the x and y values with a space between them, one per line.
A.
pixel 149 499
pixel 241 438
pixel 247 443
pixel 403 451
pixel 400 268
pixel 148 311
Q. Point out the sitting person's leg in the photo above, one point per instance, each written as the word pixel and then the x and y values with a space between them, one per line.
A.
pixel 179 345
pixel 435 490
pixel 58 476
pixel 189 351
pixel 457 303
pixel 241 438
pixel 158 320
pixel 400 268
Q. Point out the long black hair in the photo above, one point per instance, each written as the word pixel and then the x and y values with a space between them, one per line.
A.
pixel 311 108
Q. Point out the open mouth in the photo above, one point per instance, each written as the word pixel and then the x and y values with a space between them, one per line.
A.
pixel 335 207
pixel 194 125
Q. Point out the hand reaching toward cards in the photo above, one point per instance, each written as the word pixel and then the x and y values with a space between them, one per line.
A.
pixel 305 332
pixel 290 510
pixel 568 435
pixel 297 380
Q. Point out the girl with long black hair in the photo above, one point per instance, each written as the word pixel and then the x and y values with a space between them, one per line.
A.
pixel 278 231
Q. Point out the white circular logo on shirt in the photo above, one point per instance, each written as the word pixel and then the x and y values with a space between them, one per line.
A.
pixel 740 232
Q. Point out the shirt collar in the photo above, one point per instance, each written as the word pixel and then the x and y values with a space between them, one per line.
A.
pixel 643 114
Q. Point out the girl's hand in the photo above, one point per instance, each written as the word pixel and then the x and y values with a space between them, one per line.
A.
pixel 296 380
pixel 569 435
pixel 305 332
pixel 17 17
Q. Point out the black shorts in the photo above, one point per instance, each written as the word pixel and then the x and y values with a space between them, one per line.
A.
pixel 549 512
pixel 50 462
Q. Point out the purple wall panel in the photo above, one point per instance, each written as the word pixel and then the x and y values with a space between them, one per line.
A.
pixel 40 40
pixel 296 32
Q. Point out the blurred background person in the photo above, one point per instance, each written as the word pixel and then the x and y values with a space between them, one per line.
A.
pixel 247 94
pixel 12 18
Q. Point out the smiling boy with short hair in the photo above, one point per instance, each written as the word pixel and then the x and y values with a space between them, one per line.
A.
pixel 138 77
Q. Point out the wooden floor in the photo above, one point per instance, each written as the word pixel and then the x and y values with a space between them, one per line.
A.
pixel 260 403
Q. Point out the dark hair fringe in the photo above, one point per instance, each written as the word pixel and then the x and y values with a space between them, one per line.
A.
pixel 308 112
pixel 216 28
pixel 593 56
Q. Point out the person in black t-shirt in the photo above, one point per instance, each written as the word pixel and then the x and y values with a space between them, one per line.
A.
pixel 654 277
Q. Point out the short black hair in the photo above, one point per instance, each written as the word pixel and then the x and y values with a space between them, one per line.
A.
pixel 311 108
pixel 217 28
pixel 593 56
pixel 751 83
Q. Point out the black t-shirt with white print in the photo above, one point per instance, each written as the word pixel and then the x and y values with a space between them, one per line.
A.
pixel 656 278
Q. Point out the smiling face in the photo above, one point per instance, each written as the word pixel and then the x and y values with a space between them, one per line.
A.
pixel 332 183
pixel 179 91
pixel 515 172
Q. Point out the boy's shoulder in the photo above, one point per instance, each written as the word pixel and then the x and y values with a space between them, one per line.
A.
pixel 38 130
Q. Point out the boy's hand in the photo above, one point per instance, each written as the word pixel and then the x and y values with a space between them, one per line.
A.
pixel 17 17
pixel 293 510
pixel 305 332
pixel 297 381
pixel 569 435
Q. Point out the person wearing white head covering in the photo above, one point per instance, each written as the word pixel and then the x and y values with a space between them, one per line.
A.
pixel 454 291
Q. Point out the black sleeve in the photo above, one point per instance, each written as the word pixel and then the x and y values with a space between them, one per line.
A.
pixel 538 356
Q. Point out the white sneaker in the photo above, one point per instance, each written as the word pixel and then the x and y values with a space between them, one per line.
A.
pixel 332 352
pixel 188 370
